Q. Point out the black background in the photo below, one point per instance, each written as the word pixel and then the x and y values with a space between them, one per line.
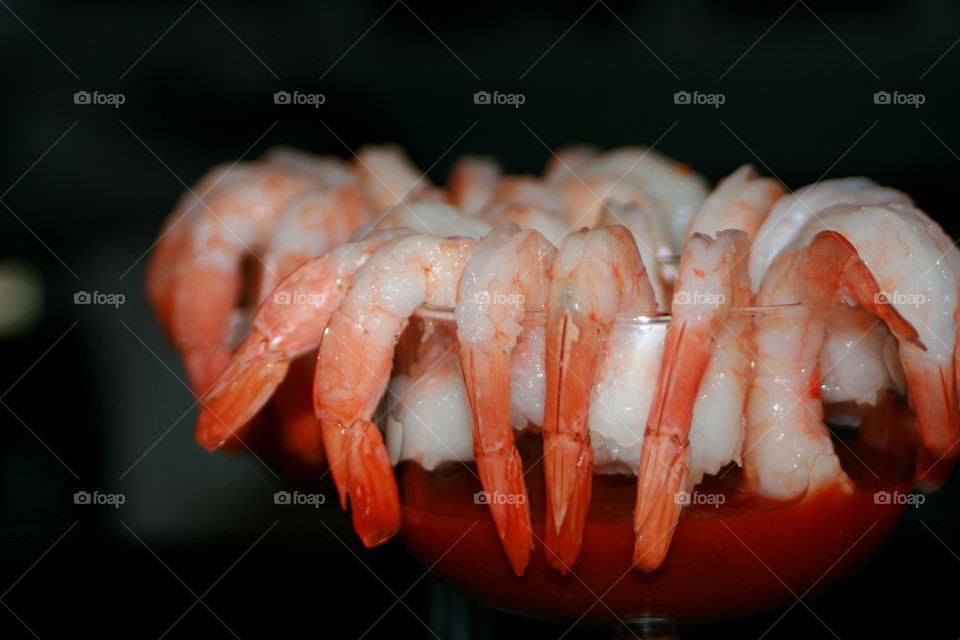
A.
pixel 91 395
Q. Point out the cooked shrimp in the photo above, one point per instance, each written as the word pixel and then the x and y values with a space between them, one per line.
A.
pixel 595 275
pixel 564 163
pixel 793 211
pixel 787 450
pixel 360 339
pixel 430 423
pixel 311 224
pixel 855 362
pixel 652 240
pixel 701 302
pixel 427 216
pixel 237 218
pixel 528 190
pixel 640 175
pixel 505 277
pixel 716 427
pixel 388 176
pixel 914 275
pixel 621 398
pixel 472 183
pixel 742 201
pixel 549 223
pixel 289 323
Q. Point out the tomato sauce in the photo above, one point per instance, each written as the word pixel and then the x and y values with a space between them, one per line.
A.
pixel 725 560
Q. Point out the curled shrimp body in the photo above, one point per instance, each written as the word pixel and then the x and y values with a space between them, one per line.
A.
pixel 505 277
pixel 289 323
pixel 595 275
pixel 701 303
pixel 427 216
pixel 913 273
pixel 551 224
pixel 787 450
pixel 354 362
pixel 388 176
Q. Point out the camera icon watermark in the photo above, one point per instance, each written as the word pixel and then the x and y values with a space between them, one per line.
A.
pixel 697 98
pixel 701 298
pixel 512 99
pixel 298 98
pixel 898 497
pixel 111 99
pixel 110 299
pixel 896 98
pixel 486 497
pixel 96 498
pixel 298 498
pixel 686 498
pixel 898 298
pixel 315 300
pixel 497 298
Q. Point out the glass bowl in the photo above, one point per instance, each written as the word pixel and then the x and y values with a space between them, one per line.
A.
pixel 729 557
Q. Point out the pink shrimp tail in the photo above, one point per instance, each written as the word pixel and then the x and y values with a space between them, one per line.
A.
pixel 665 457
pixel 568 456
pixel 364 477
pixel 498 461
pixel 244 388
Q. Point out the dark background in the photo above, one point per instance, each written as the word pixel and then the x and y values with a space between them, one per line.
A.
pixel 91 394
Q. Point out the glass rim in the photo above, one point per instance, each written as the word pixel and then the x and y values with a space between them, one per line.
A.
pixel 431 312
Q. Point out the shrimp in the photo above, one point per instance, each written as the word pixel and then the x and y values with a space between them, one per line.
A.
pixel 793 211
pixel 177 234
pixel 472 183
pixel 742 200
pixel 288 324
pixel 360 339
pixel 236 219
pixel 640 175
pixel 651 237
pixel 504 278
pixel 595 275
pixel 701 302
pixel 914 275
pixel 788 451
pixel 310 225
pixel 427 216
pixel 388 176
pixel 431 422
pixel 549 223
pixel 564 163
pixel 716 427
pixel 528 190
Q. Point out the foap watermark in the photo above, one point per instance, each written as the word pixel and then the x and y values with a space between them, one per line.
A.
pixel 685 498
pixel 96 297
pixel 897 98
pixel 899 298
pixel 699 298
pixel 109 99
pixel 299 298
pixel 96 498
pixel 298 98
pixel 697 98
pixel 298 498
pixel 512 99
pixel 486 497
pixel 486 297
pixel 899 497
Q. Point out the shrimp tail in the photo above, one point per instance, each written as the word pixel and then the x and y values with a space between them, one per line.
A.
pixel 568 457
pixel 364 477
pixel 246 385
pixel 665 456
pixel 498 461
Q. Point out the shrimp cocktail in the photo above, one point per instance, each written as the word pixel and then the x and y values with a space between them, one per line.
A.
pixel 604 392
